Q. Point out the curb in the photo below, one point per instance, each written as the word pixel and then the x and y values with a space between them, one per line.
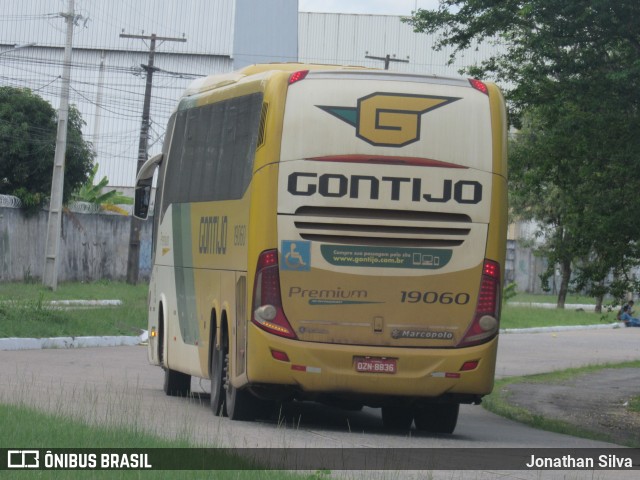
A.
pixel 85 303
pixel 71 342
pixel 562 328
pixel 76 303
pixel 568 306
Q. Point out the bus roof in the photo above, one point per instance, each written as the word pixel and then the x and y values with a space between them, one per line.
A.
pixel 215 81
pixel 212 82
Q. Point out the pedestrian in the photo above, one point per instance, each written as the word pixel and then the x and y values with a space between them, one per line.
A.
pixel 626 316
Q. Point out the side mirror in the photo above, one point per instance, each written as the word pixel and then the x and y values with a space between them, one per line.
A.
pixel 142 200
pixel 144 181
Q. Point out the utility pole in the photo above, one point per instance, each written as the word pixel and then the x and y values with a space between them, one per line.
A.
pixel 387 59
pixel 52 248
pixel 133 260
pixel 96 125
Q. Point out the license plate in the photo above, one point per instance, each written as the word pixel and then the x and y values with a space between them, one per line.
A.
pixel 375 365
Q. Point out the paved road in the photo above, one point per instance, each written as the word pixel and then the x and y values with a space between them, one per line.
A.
pixel 526 354
pixel 117 386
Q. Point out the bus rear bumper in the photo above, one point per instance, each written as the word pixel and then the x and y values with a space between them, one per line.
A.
pixel 320 368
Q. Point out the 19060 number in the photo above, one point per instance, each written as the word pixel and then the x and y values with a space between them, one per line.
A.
pixel 239 235
pixel 445 298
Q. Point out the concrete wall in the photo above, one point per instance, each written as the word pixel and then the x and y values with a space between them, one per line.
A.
pixel 527 270
pixel 94 246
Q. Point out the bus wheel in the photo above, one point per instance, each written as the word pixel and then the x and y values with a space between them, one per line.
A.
pixel 241 404
pixel 176 384
pixel 397 418
pixel 437 417
pixel 218 405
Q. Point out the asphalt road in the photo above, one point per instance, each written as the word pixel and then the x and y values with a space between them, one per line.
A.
pixel 117 386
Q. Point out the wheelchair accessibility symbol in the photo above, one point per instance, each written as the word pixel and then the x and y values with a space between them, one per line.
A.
pixel 296 255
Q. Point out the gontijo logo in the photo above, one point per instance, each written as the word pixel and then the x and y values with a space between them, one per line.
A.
pixel 388 119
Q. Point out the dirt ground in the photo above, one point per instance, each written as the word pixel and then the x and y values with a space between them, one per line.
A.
pixel 602 406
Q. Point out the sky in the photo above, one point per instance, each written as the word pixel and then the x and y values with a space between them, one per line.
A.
pixel 377 7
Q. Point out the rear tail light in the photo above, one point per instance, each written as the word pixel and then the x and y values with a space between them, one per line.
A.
pixel 297 76
pixel 479 85
pixel 485 320
pixel 267 301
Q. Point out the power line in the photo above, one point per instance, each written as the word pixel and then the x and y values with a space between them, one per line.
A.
pixel 28 18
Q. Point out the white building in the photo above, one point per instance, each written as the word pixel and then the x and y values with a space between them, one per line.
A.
pixel 108 82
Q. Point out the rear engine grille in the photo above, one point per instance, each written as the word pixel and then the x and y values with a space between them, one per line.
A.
pixel 356 226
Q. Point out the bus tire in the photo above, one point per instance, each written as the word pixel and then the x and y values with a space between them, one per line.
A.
pixel 437 417
pixel 176 384
pixel 240 404
pixel 397 418
pixel 218 405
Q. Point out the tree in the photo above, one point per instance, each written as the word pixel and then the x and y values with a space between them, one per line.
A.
pixel 93 193
pixel 28 127
pixel 543 45
pixel 570 69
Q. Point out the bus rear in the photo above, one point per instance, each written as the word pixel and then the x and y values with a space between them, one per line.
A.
pixel 384 287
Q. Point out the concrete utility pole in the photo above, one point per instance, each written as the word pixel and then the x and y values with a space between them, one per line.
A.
pixel 52 248
pixel 387 60
pixel 133 261
pixel 96 124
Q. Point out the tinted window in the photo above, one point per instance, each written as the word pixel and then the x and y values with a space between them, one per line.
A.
pixel 212 151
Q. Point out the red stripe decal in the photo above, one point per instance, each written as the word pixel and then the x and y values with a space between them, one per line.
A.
pixel 386 160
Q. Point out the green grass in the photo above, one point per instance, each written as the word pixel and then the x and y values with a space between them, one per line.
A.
pixel 100 290
pixel 527 317
pixel 25 310
pixel 498 402
pixel 27 428
pixel 547 298
pixel 634 404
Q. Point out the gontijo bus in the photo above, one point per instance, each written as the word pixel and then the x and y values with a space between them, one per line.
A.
pixel 330 234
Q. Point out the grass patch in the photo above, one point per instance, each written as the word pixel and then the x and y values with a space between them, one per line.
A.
pixel 100 290
pixel 528 317
pixel 24 427
pixel 498 402
pixel 634 404
pixel 25 311
pixel 547 298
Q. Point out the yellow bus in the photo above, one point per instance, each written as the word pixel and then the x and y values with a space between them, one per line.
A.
pixel 330 234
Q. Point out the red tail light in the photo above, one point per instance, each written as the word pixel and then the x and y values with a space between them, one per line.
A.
pixel 267 301
pixel 479 85
pixel 486 319
pixel 297 76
